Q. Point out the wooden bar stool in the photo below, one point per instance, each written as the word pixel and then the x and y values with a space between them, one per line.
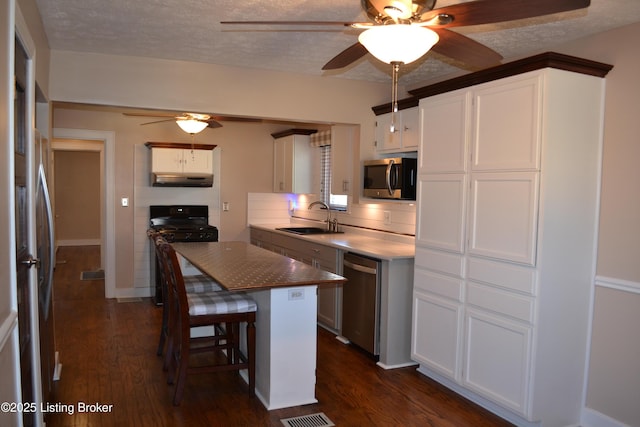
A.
pixel 188 310
pixel 196 283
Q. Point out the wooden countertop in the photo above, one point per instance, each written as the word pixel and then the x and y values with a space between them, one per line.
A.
pixel 240 266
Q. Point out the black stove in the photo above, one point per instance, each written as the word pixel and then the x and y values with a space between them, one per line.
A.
pixel 179 223
pixel 183 223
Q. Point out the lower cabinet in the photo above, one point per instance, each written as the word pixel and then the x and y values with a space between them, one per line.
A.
pixel 477 334
pixel 497 358
pixel 440 323
pixel 319 256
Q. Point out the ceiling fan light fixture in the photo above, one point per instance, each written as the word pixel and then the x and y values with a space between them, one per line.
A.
pixel 403 43
pixel 191 126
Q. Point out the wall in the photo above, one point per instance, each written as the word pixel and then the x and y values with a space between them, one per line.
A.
pixel 614 372
pixel 77 197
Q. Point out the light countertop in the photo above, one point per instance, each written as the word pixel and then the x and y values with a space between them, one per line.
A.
pixel 376 245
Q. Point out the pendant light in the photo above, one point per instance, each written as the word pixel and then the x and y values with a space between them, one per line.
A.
pixel 192 126
pixel 397 44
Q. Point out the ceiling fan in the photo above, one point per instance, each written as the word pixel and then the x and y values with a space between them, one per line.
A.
pixel 192 123
pixel 402 31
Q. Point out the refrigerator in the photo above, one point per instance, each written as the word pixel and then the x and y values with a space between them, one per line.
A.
pixel 45 253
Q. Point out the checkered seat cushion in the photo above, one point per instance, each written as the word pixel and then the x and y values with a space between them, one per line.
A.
pixel 200 283
pixel 221 302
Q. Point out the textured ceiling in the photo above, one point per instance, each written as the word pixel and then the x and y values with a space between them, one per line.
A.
pixel 190 30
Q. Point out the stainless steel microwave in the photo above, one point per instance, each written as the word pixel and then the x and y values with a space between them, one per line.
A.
pixel 392 178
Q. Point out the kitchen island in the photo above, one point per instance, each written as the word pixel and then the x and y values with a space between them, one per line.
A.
pixel 286 293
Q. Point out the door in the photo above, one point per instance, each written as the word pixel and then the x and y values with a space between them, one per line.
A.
pixel 24 259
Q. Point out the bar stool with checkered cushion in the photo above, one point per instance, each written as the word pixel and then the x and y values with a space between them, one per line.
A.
pixel 196 283
pixel 188 310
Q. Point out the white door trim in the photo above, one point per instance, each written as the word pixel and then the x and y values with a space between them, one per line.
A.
pixel 108 231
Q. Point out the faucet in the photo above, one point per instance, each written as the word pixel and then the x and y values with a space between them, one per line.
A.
pixel 324 205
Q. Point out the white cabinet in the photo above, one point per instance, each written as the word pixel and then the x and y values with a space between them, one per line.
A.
pixel 343 146
pixel 292 171
pixel 181 160
pixel 505 240
pixel 405 137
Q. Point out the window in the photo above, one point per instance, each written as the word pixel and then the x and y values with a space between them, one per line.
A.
pixel 334 201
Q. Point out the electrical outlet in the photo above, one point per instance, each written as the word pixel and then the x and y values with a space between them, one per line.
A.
pixel 296 294
pixel 225 206
pixel 387 217
pixel 125 201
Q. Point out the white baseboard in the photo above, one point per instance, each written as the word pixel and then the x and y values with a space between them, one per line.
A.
pixel 592 418
pixel 79 242
pixel 133 292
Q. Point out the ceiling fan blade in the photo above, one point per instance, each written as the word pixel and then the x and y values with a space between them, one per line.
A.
pixel 491 11
pixel 344 24
pixel 213 124
pixel 346 57
pixel 235 119
pixel 149 115
pixel 172 119
pixel 464 49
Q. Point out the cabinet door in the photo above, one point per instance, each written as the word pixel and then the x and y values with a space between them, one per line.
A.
pixel 342 142
pixel 280 183
pixel 166 160
pixel 385 139
pixel 410 130
pixel 444 132
pixel 197 161
pixel 441 211
pixel 437 331
pixel 507 125
pixel 504 216
pixel 497 359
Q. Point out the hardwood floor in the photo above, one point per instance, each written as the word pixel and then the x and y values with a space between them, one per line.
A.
pixel 108 352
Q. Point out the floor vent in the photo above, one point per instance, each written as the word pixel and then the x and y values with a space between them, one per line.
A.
pixel 313 420
pixel 92 275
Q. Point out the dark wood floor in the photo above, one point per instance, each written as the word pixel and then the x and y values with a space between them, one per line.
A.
pixel 107 349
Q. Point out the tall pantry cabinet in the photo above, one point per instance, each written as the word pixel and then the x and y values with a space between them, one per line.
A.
pixel 506 235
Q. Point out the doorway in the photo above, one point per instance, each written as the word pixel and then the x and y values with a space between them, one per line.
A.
pixel 78 183
pixel 69 139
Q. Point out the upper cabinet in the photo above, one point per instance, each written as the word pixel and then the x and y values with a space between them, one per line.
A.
pixel 292 161
pixel 181 165
pixel 406 135
pixel 186 160
pixel 343 144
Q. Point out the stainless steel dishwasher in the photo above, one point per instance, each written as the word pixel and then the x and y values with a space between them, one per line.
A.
pixel 361 302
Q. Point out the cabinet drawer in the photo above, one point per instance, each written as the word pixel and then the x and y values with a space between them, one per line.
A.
pixel 509 276
pixel 321 252
pixel 284 241
pixel 443 262
pixel 262 235
pixel 307 250
pixel 439 284
pixel 499 301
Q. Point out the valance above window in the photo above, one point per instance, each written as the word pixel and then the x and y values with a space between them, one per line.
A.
pixel 321 138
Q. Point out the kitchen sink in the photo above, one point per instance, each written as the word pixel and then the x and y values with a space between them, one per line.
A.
pixel 307 230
